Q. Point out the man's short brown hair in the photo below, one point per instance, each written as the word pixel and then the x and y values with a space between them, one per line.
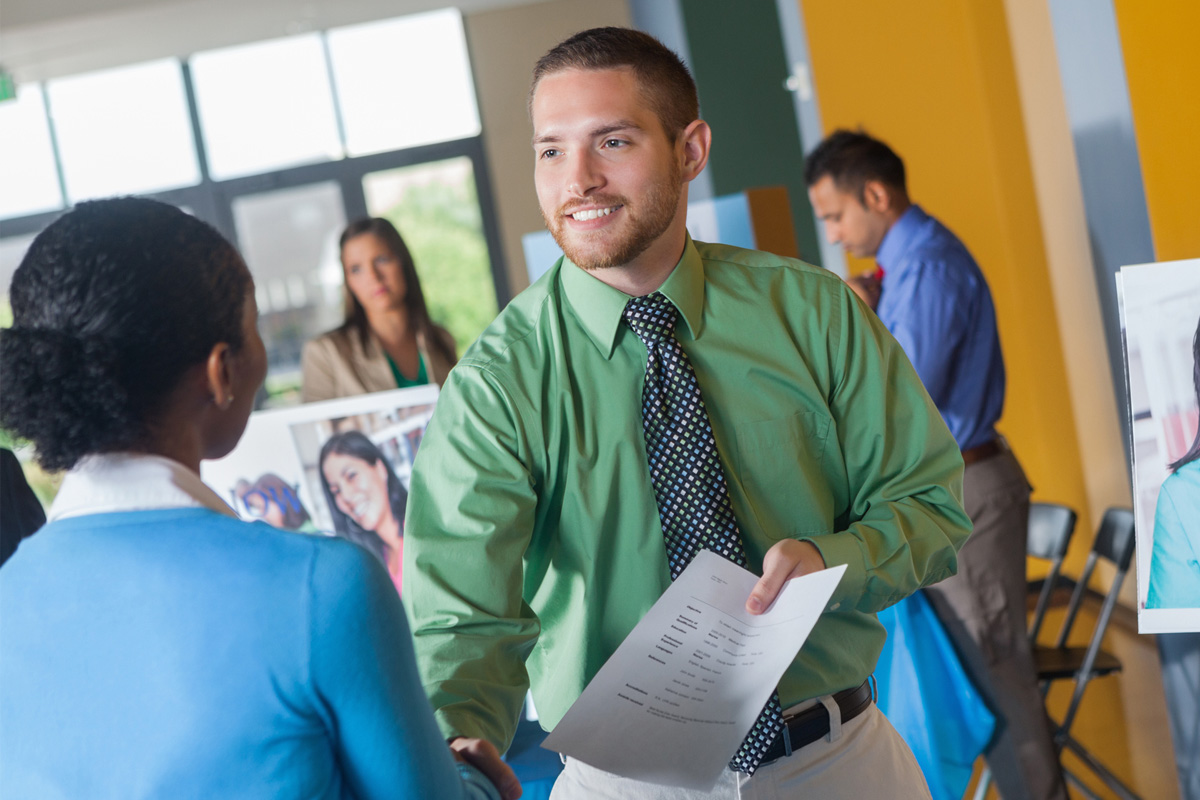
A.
pixel 665 82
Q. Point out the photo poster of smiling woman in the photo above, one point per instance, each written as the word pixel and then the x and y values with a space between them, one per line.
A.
pixel 1160 311
pixel 339 467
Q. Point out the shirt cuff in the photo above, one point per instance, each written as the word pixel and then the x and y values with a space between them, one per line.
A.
pixel 843 548
pixel 467 725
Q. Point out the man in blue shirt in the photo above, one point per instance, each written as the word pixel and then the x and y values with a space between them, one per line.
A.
pixel 931 295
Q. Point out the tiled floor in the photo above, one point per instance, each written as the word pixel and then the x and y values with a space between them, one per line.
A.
pixel 1122 718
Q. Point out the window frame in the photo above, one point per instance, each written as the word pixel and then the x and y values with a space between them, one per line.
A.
pixel 212 200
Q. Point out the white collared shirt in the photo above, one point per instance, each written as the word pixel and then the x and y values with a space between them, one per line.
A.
pixel 110 482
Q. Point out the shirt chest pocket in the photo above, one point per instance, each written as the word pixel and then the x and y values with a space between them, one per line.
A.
pixel 785 473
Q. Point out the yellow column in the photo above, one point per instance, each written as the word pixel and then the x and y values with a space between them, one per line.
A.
pixel 1158 41
pixel 936 80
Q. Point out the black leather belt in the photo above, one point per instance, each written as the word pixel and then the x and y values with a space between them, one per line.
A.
pixel 812 724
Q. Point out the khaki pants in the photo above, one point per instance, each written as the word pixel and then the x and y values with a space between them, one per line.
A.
pixel 984 610
pixel 867 759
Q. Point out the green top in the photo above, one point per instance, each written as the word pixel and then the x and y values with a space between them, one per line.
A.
pixel 403 382
pixel 533 540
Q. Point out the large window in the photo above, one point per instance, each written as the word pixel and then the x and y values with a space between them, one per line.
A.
pixel 266 106
pixel 380 111
pixel 124 131
pixel 278 144
pixel 28 184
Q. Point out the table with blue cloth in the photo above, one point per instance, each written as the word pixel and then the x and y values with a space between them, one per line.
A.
pixel 928 698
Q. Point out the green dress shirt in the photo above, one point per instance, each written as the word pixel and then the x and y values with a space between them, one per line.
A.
pixel 533 543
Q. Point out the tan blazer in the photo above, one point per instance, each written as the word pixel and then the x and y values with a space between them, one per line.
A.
pixel 336 364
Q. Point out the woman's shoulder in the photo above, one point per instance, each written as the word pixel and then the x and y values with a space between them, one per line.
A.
pixel 1184 479
pixel 1183 485
pixel 440 359
pixel 282 559
pixel 338 339
pixel 337 364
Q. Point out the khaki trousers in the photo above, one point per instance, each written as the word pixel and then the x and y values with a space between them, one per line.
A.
pixel 867 759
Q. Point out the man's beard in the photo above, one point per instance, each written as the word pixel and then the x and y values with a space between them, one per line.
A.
pixel 643 226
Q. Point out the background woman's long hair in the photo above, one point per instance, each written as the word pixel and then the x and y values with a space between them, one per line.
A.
pixel 1193 452
pixel 354 443
pixel 414 299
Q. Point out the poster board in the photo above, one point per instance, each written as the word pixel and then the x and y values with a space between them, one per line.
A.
pixel 275 472
pixel 1160 314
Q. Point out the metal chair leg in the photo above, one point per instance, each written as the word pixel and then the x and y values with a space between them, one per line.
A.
pixel 1102 772
pixel 985 782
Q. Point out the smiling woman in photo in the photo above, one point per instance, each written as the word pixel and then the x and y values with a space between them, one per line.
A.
pixel 365 497
pixel 1175 558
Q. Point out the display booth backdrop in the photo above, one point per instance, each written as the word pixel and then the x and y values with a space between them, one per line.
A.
pixel 1160 308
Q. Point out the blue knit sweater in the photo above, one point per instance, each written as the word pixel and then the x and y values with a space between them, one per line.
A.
pixel 182 653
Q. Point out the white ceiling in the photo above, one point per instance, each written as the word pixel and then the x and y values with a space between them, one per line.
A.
pixel 42 39
pixel 15 13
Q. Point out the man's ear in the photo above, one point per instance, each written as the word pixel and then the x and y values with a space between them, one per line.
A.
pixel 218 373
pixel 877 196
pixel 697 139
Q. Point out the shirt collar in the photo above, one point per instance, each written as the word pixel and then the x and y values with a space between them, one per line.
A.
pixel 899 238
pixel 109 482
pixel 599 306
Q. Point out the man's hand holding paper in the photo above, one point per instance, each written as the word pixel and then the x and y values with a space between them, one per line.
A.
pixel 680 693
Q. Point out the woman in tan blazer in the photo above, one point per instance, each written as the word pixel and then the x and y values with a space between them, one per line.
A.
pixel 387 340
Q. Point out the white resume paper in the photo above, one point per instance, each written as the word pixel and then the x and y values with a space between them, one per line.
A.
pixel 674 702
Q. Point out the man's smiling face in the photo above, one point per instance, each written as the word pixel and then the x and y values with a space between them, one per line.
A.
pixel 609 179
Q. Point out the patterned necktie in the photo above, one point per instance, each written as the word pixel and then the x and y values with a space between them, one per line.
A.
pixel 689 487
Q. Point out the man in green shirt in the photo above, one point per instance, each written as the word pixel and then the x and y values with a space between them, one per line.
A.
pixel 533 538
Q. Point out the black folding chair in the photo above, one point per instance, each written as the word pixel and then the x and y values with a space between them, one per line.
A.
pixel 1050 529
pixel 1114 543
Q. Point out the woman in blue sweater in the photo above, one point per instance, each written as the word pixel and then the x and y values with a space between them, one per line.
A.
pixel 153 645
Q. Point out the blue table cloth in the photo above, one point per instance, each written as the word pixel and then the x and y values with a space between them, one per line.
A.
pixel 928 697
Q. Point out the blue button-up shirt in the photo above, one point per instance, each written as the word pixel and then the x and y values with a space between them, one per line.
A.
pixel 937 304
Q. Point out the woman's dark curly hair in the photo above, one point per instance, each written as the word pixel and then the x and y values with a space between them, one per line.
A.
pixel 112 304
pixel 356 444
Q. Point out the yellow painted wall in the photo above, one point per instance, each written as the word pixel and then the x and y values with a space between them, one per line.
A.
pixel 936 80
pixel 1159 41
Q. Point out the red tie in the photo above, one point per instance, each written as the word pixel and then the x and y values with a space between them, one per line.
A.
pixel 878 273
